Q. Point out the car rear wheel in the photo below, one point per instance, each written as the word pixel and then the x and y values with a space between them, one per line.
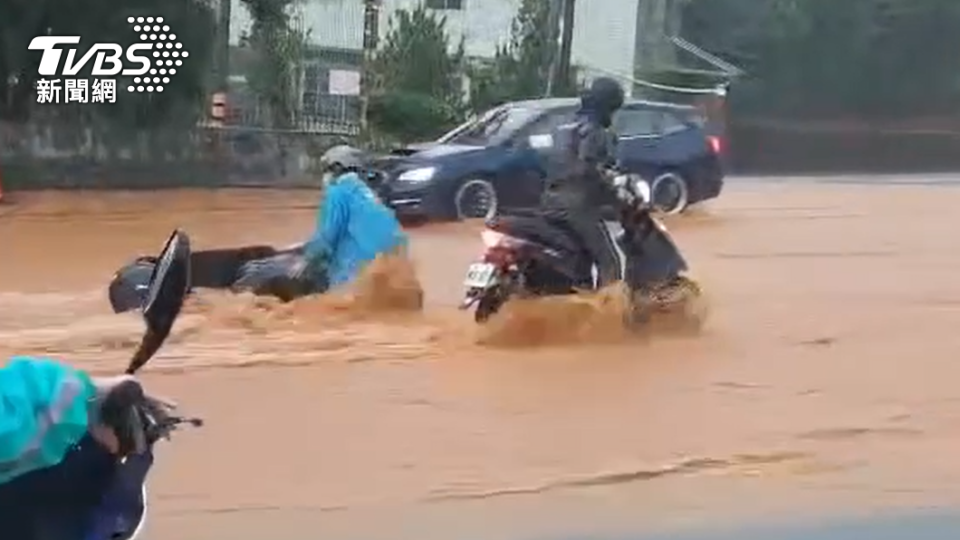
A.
pixel 475 198
pixel 670 193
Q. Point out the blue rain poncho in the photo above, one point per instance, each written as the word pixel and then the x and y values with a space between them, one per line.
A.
pixel 353 227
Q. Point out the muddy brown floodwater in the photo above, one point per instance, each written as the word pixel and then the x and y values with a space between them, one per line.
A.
pixel 828 377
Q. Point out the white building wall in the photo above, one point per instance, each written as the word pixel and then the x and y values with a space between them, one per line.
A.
pixel 605 31
pixel 604 36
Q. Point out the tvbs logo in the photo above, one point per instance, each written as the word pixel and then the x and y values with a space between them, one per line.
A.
pixel 151 62
pixel 108 61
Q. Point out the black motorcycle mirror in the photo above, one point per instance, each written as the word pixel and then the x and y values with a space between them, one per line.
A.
pixel 166 292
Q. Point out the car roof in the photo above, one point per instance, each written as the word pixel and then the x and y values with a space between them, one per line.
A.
pixel 562 103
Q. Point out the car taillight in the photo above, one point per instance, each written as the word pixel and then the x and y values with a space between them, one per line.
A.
pixel 715 144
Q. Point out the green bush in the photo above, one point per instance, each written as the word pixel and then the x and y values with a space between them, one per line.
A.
pixel 410 116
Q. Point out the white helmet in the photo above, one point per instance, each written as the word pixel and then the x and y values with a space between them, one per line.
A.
pixel 343 156
pixel 340 159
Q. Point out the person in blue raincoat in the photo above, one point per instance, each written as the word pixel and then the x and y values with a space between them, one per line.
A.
pixel 353 225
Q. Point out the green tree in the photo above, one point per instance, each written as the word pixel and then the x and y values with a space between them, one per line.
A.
pixel 417 80
pixel 521 68
pixel 279 49
pixel 873 58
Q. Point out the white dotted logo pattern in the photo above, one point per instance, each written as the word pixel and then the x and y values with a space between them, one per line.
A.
pixel 168 53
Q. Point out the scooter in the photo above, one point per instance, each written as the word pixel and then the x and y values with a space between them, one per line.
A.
pixel 529 254
pixel 122 512
pixel 260 269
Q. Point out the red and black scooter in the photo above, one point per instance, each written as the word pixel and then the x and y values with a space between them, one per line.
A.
pixel 528 254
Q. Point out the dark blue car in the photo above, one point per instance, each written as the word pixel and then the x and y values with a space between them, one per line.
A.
pixel 498 160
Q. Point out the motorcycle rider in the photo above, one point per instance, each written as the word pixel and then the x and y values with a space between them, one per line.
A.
pixel 63 431
pixel 57 446
pixel 353 225
pixel 583 171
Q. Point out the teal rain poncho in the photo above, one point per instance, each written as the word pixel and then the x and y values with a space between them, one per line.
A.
pixel 44 408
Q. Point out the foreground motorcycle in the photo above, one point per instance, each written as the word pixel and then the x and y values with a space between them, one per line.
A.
pixel 122 511
pixel 93 494
pixel 529 254
pixel 262 270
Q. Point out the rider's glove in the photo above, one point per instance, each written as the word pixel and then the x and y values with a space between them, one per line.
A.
pixel 134 418
pixel 116 407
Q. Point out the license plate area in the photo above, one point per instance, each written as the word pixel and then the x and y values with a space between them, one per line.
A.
pixel 481 275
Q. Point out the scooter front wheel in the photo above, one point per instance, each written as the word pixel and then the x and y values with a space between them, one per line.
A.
pixel 488 306
pixel 676 305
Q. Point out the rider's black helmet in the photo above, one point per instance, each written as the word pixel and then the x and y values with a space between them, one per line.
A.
pixel 604 97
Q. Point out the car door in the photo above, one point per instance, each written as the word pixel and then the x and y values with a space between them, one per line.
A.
pixel 653 139
pixel 531 149
pixel 639 132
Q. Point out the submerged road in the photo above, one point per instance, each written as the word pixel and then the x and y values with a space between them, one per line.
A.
pixel 823 385
pixel 920 524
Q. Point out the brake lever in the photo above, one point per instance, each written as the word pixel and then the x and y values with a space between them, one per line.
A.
pixel 162 428
pixel 173 422
pixel 194 422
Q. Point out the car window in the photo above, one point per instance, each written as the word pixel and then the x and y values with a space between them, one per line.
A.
pixel 493 126
pixel 638 122
pixel 550 121
pixel 673 123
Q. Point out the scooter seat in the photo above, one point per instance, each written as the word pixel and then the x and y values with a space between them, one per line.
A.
pixel 538 228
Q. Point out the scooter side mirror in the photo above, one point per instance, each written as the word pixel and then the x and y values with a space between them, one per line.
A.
pixel 167 290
